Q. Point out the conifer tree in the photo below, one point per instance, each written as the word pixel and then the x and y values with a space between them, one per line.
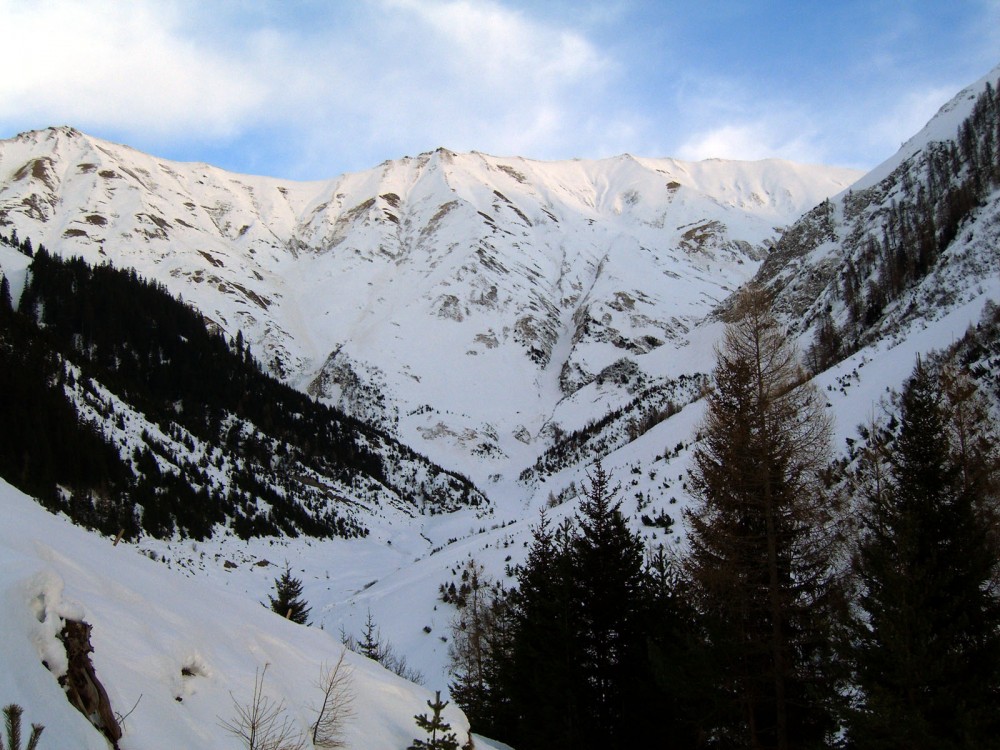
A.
pixel 6 303
pixel 677 694
pixel 926 637
pixel 543 677
pixel 12 720
pixel 572 644
pixel 440 735
pixel 975 447
pixel 607 563
pixel 371 645
pixel 288 601
pixel 826 344
pixel 762 546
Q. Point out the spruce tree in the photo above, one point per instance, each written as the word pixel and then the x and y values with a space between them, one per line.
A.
pixel 607 561
pixel 573 654
pixel 543 678
pixel 12 720
pixel 441 737
pixel 288 601
pixel 762 547
pixel 926 636
pixel 674 699
pixel 371 645
pixel 6 303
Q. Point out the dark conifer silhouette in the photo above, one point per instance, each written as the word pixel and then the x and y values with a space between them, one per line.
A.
pixel 926 639
pixel 607 560
pixel 6 303
pixel 576 654
pixel 762 540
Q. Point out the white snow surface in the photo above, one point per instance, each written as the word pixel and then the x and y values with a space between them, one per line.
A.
pixel 149 624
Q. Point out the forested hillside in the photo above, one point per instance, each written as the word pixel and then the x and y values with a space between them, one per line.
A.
pixel 820 601
pixel 126 411
pixel 900 244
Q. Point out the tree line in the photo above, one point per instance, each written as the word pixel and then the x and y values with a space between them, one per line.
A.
pixel 818 603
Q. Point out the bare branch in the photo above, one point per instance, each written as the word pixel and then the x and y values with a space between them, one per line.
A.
pixel 335 708
pixel 262 724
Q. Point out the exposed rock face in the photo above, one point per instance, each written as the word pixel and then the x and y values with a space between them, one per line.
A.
pixel 83 689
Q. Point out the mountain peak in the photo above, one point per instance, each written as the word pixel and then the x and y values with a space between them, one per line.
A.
pixel 941 127
pixel 47 134
pixel 530 275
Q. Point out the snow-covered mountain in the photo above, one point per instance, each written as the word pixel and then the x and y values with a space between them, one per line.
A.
pixel 516 319
pixel 476 306
pixel 912 240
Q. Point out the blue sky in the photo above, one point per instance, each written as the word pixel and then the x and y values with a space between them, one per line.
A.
pixel 313 88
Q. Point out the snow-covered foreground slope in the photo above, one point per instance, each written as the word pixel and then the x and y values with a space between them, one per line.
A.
pixel 463 301
pixel 176 649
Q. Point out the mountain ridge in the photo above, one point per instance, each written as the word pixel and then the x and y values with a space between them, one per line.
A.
pixel 598 393
pixel 913 237
pixel 499 265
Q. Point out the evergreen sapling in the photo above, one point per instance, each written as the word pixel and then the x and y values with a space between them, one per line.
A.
pixel 289 602
pixel 440 735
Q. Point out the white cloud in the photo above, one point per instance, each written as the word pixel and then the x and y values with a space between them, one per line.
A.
pixel 119 64
pixel 474 75
pixel 730 118
pixel 495 45
pixel 750 140
pixel 401 73
pixel 724 142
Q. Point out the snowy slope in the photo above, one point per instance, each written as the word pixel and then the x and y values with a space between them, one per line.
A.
pixel 398 582
pixel 149 624
pixel 457 299
pixel 481 306
pixel 928 316
pixel 837 256
pixel 942 127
